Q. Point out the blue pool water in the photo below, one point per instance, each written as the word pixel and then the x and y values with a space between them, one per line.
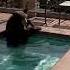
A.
pixel 41 52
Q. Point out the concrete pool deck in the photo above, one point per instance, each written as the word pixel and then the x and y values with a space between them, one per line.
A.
pixel 3 19
pixel 55 30
pixel 64 63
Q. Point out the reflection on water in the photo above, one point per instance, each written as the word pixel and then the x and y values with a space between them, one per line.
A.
pixel 40 53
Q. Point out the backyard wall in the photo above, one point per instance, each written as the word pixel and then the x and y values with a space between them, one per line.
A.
pixel 26 3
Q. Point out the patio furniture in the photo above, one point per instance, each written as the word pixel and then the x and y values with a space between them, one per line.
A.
pixel 64 4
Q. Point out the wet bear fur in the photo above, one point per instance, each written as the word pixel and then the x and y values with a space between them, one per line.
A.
pixel 15 32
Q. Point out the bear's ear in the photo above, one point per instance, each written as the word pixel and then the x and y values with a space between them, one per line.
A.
pixel 16 14
pixel 25 10
pixel 13 13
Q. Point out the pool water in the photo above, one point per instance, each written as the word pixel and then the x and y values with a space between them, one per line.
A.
pixel 41 52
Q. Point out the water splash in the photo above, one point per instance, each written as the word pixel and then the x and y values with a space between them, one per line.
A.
pixel 47 63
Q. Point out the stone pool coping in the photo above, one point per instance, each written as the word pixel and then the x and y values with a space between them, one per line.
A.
pixel 57 31
pixel 64 63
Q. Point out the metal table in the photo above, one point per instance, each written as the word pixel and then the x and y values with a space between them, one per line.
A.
pixel 66 4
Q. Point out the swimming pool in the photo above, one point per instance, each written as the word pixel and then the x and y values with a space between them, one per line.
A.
pixel 41 52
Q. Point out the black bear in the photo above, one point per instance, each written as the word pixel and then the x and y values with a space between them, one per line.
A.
pixel 15 32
